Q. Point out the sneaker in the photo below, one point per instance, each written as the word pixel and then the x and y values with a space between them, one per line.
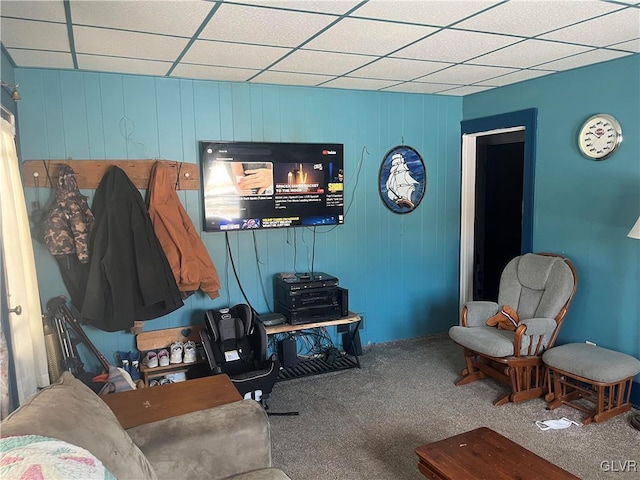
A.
pixel 163 357
pixel 190 352
pixel 151 360
pixel 134 371
pixel 176 352
pixel 164 381
pixel 154 383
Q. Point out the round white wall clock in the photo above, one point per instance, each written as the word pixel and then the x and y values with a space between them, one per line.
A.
pixel 600 136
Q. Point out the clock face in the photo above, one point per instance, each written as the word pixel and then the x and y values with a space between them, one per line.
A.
pixel 600 136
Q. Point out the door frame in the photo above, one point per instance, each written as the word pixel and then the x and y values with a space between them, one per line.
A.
pixel 472 129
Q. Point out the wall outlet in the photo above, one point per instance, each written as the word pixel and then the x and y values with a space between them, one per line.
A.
pixel 589 343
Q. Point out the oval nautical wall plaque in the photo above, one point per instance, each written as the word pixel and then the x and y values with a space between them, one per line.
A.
pixel 402 180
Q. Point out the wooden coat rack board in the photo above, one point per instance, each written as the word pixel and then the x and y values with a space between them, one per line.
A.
pixel 89 173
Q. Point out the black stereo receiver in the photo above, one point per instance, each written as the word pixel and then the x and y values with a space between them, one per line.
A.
pixel 307 297
pixel 305 281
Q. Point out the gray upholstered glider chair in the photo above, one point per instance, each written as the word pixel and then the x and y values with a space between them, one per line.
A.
pixel 539 288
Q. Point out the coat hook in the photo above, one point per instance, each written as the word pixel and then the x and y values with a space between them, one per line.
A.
pixel 187 175
pixel 17 310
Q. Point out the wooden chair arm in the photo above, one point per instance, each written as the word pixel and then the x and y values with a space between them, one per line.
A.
pixel 517 339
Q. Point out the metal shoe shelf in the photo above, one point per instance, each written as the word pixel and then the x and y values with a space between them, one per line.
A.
pixel 317 366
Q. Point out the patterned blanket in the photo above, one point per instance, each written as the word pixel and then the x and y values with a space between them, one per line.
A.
pixel 32 457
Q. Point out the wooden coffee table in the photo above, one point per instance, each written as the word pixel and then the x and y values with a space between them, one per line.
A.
pixel 151 404
pixel 482 454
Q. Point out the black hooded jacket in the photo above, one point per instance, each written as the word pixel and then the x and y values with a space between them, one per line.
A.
pixel 129 277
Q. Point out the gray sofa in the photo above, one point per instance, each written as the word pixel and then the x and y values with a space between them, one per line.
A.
pixel 227 442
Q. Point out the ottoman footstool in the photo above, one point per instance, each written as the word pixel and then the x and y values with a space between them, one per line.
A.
pixel 581 371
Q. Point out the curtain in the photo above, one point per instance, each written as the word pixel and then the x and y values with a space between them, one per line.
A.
pixel 25 329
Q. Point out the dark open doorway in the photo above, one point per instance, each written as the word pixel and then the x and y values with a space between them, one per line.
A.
pixel 498 209
pixel 488 218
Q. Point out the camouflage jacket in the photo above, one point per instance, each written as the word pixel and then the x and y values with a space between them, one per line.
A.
pixel 69 221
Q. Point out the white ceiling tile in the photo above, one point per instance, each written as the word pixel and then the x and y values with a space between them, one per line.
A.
pixel 244 37
pixel 207 72
pixel 465 74
pixel 35 10
pixel 455 46
pixel 238 55
pixel 263 26
pixel 34 34
pixel 439 13
pixel 118 43
pixel 613 28
pixel 358 83
pixel 287 78
pixel 529 53
pixel 41 58
pixel 349 35
pixel 514 77
pixel 122 65
pixel 466 90
pixel 419 87
pixel 328 6
pixel 530 18
pixel 328 63
pixel 588 58
pixel 169 17
pixel 631 45
pixel 398 69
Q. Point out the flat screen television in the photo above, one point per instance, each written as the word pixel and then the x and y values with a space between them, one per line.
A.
pixel 249 185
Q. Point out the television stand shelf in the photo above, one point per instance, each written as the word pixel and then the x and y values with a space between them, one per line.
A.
pixel 316 366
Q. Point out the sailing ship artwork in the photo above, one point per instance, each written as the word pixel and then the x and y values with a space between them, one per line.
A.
pixel 402 179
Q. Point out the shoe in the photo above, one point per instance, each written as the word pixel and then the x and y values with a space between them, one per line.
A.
pixel 163 357
pixel 154 383
pixel 189 352
pixel 176 352
pixel 134 358
pixel 151 360
pixel 164 381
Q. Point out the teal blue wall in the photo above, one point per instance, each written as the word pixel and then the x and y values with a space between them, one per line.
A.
pixel 401 270
pixel 584 208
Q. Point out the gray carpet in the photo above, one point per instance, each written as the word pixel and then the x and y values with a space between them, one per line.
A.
pixel 365 423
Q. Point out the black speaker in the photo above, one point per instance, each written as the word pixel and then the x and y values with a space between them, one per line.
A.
pixel 343 300
pixel 288 352
pixel 352 348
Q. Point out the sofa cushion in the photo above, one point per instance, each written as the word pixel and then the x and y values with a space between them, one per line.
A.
pixel 215 443
pixel 70 411
pixel 263 474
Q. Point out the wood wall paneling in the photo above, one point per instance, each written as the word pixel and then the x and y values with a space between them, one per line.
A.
pixel 392 266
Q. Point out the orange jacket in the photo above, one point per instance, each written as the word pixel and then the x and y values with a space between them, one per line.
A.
pixel 189 259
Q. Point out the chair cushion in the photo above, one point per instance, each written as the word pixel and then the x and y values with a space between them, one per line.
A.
pixel 536 285
pixel 479 311
pixel 595 363
pixel 486 340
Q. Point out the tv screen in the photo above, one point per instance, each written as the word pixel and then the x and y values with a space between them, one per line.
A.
pixel 249 185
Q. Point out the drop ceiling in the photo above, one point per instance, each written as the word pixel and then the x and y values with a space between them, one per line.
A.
pixel 454 47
